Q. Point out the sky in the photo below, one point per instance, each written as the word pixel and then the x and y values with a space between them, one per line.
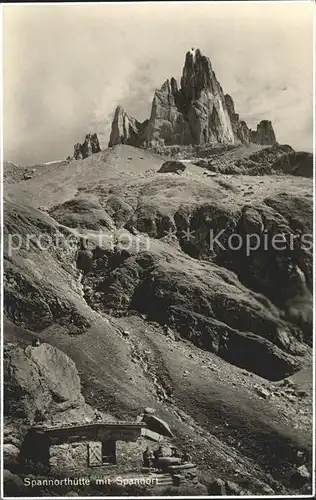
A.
pixel 66 67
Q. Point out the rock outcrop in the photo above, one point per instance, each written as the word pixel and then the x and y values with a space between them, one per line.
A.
pixel 223 488
pixel 125 129
pixel 13 485
pixel 82 212
pixel 300 476
pixel 42 386
pixel 89 146
pixel 264 134
pixel 299 163
pixel 196 113
pixel 277 159
pixel 222 321
pixel 167 125
pixel 172 166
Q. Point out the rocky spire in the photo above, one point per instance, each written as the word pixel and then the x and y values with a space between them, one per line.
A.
pixel 89 146
pixel 125 129
pixel 197 75
pixel 264 133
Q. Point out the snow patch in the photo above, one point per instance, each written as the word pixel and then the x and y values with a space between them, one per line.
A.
pixel 193 53
pixel 50 162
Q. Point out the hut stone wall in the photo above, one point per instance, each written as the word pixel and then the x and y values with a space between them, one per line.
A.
pixel 73 458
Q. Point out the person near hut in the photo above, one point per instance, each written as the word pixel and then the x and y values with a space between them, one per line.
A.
pixel 186 457
pixel 175 453
pixel 36 342
pixel 158 453
pixel 147 458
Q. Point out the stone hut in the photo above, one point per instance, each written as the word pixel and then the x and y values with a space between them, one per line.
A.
pixel 81 448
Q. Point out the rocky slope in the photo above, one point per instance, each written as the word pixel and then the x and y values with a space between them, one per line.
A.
pixel 273 160
pixel 198 112
pixel 120 275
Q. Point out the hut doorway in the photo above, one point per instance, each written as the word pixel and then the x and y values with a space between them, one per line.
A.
pixel 108 452
pixel 102 453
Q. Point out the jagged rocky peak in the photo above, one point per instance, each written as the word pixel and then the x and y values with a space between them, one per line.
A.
pixel 174 85
pixel 264 133
pixel 125 129
pixel 89 146
pixel 169 86
pixel 230 104
pixel 197 74
pixel 198 112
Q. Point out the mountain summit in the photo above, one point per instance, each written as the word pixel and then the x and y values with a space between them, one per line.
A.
pixel 196 113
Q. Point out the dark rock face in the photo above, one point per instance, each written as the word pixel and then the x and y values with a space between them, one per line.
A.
pixel 172 166
pixel 196 113
pixel 125 129
pixel 26 301
pixel 264 134
pixel 37 308
pixel 77 151
pixel 277 159
pixel 89 146
pixel 297 163
pixel 167 125
pixel 219 323
pixel 240 128
pixel 262 329
pixel 82 212
pixel 235 346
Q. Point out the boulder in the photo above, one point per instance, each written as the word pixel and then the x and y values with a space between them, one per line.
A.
pixel 252 221
pixel 172 166
pixel 264 393
pixel 226 488
pixel 300 477
pixel 217 487
pixel 158 425
pixel 149 410
pixel 13 485
pixel 42 385
pixel 234 489
pixel 10 455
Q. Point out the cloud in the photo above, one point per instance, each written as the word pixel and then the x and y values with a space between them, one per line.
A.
pixel 66 67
